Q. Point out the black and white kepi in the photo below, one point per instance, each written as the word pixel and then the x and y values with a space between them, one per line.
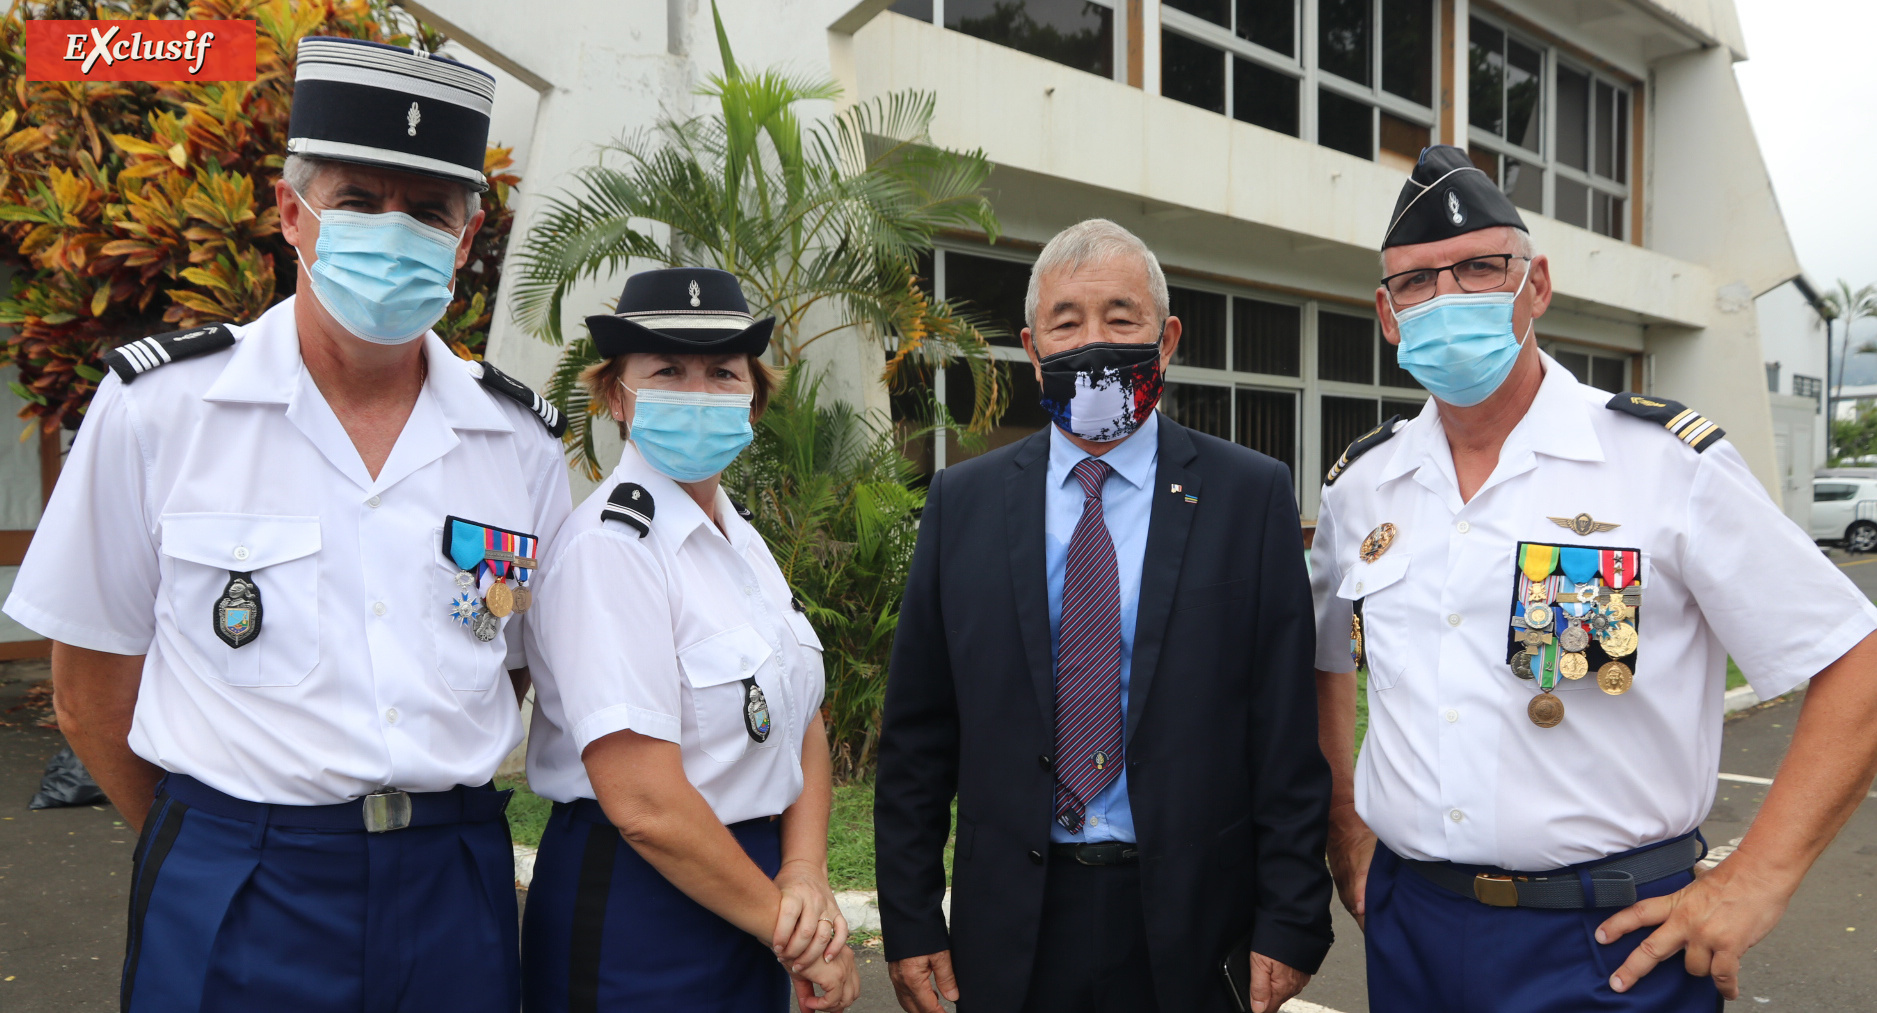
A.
pixel 684 311
pixel 366 102
pixel 1446 196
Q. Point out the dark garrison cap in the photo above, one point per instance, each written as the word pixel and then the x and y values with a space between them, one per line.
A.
pixel 1446 196
pixel 366 102
pixel 682 311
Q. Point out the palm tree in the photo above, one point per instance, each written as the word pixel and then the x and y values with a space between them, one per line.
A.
pixel 823 224
pixel 1849 307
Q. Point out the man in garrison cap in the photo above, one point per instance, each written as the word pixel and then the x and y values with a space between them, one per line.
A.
pixel 285 571
pixel 1543 584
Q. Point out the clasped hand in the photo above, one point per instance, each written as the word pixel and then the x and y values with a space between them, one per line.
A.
pixel 811 939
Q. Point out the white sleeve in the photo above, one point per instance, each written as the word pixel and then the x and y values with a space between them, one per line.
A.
pixel 1333 612
pixel 1782 609
pixel 602 628
pixel 90 577
pixel 552 502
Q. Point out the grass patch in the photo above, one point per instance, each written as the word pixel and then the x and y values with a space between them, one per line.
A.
pixel 1735 680
pixel 527 813
pixel 1362 706
pixel 850 838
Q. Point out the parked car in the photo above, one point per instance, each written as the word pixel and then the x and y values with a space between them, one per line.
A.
pixel 1844 510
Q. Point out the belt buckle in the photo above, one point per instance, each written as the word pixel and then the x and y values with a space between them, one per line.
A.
pixel 1496 891
pixel 387 809
pixel 1085 852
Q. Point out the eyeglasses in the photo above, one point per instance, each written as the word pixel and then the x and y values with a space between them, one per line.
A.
pixel 1475 274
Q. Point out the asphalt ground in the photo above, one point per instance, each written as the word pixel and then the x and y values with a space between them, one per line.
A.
pixel 64 876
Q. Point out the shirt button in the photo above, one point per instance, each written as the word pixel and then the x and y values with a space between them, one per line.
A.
pixel 1358 587
pixel 1456 815
pixel 373 502
pixel 1463 527
pixel 241 552
pixel 391 717
pixel 745 663
pixel 378 608
pixel 1454 619
pixel 1452 715
pixel 751 591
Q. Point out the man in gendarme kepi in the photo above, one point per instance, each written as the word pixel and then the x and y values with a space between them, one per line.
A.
pixel 284 570
pixel 1544 583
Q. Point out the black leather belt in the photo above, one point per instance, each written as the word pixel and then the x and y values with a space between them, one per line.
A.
pixel 1101 853
pixel 1613 883
pixel 461 804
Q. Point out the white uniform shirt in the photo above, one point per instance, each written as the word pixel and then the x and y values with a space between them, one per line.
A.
pixel 234 462
pixel 1452 768
pixel 659 635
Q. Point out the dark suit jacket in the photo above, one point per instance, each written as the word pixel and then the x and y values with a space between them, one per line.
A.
pixel 1229 790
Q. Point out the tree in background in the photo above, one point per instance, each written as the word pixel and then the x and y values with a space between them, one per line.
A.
pixel 1855 438
pixel 131 208
pixel 1847 307
pixel 823 225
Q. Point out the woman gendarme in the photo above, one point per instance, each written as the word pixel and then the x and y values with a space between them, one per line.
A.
pixel 677 725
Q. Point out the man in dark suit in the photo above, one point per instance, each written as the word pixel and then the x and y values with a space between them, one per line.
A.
pixel 1105 654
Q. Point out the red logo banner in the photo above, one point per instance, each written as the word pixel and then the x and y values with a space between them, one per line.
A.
pixel 147 50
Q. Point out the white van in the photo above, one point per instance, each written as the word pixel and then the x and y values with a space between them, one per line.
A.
pixel 1844 509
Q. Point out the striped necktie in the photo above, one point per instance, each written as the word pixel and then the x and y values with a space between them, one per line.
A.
pixel 1088 659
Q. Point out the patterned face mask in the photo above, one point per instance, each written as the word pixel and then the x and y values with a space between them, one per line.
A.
pixel 1103 391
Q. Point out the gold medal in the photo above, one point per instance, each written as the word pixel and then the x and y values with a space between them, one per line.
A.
pixel 1537 592
pixel 1621 641
pixel 1377 543
pixel 1615 678
pixel 500 600
pixel 1355 639
pixel 1573 666
pixel 1538 617
pixel 523 597
pixel 1545 710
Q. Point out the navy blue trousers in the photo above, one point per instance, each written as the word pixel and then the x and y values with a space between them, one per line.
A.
pixel 604 931
pixel 1431 949
pixel 234 915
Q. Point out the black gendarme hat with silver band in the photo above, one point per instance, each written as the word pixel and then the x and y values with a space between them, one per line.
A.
pixel 1446 196
pixel 684 311
pixel 366 102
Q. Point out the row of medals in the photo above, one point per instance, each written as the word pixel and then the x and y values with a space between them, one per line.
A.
pixel 499 603
pixel 1608 620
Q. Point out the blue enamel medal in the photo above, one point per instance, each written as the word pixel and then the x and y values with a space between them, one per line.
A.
pixel 238 610
pixel 755 711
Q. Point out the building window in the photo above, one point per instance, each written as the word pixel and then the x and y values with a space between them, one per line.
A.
pixel 1569 158
pixel 1372 86
pixel 1075 33
pixel 1602 371
pixel 1809 386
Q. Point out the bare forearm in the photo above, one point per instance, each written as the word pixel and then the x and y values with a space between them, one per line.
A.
pixel 1827 770
pixel 1336 734
pixel 95 697
pixel 641 785
pixel 805 824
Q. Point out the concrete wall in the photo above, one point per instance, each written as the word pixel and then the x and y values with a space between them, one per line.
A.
pixel 1792 335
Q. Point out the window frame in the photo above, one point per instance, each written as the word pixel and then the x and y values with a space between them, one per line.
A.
pixel 1304 69
pixel 1118 60
pixel 1551 57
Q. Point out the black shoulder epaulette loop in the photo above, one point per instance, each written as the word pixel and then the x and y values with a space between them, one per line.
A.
pixel 132 360
pixel 1689 426
pixel 742 511
pixel 630 504
pixel 1366 442
pixel 520 393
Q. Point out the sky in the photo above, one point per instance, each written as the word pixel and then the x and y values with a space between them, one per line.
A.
pixel 1812 94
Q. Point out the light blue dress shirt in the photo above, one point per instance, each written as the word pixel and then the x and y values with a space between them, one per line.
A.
pixel 1127 502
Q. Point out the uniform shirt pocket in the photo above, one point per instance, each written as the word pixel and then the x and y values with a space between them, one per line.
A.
pixel 200 553
pixel 716 668
pixel 466 664
pixel 1385 619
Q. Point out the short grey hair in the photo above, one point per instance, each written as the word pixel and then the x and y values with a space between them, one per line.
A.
pixel 1094 241
pixel 1521 246
pixel 302 171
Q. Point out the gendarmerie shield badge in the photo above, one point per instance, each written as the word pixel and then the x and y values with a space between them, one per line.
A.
pixel 755 711
pixel 238 610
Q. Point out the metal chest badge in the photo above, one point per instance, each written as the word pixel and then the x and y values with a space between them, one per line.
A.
pixel 755 711
pixel 1377 542
pixel 238 610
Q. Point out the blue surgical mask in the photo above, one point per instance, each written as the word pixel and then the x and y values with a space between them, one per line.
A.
pixel 690 435
pixel 1461 347
pixel 383 277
